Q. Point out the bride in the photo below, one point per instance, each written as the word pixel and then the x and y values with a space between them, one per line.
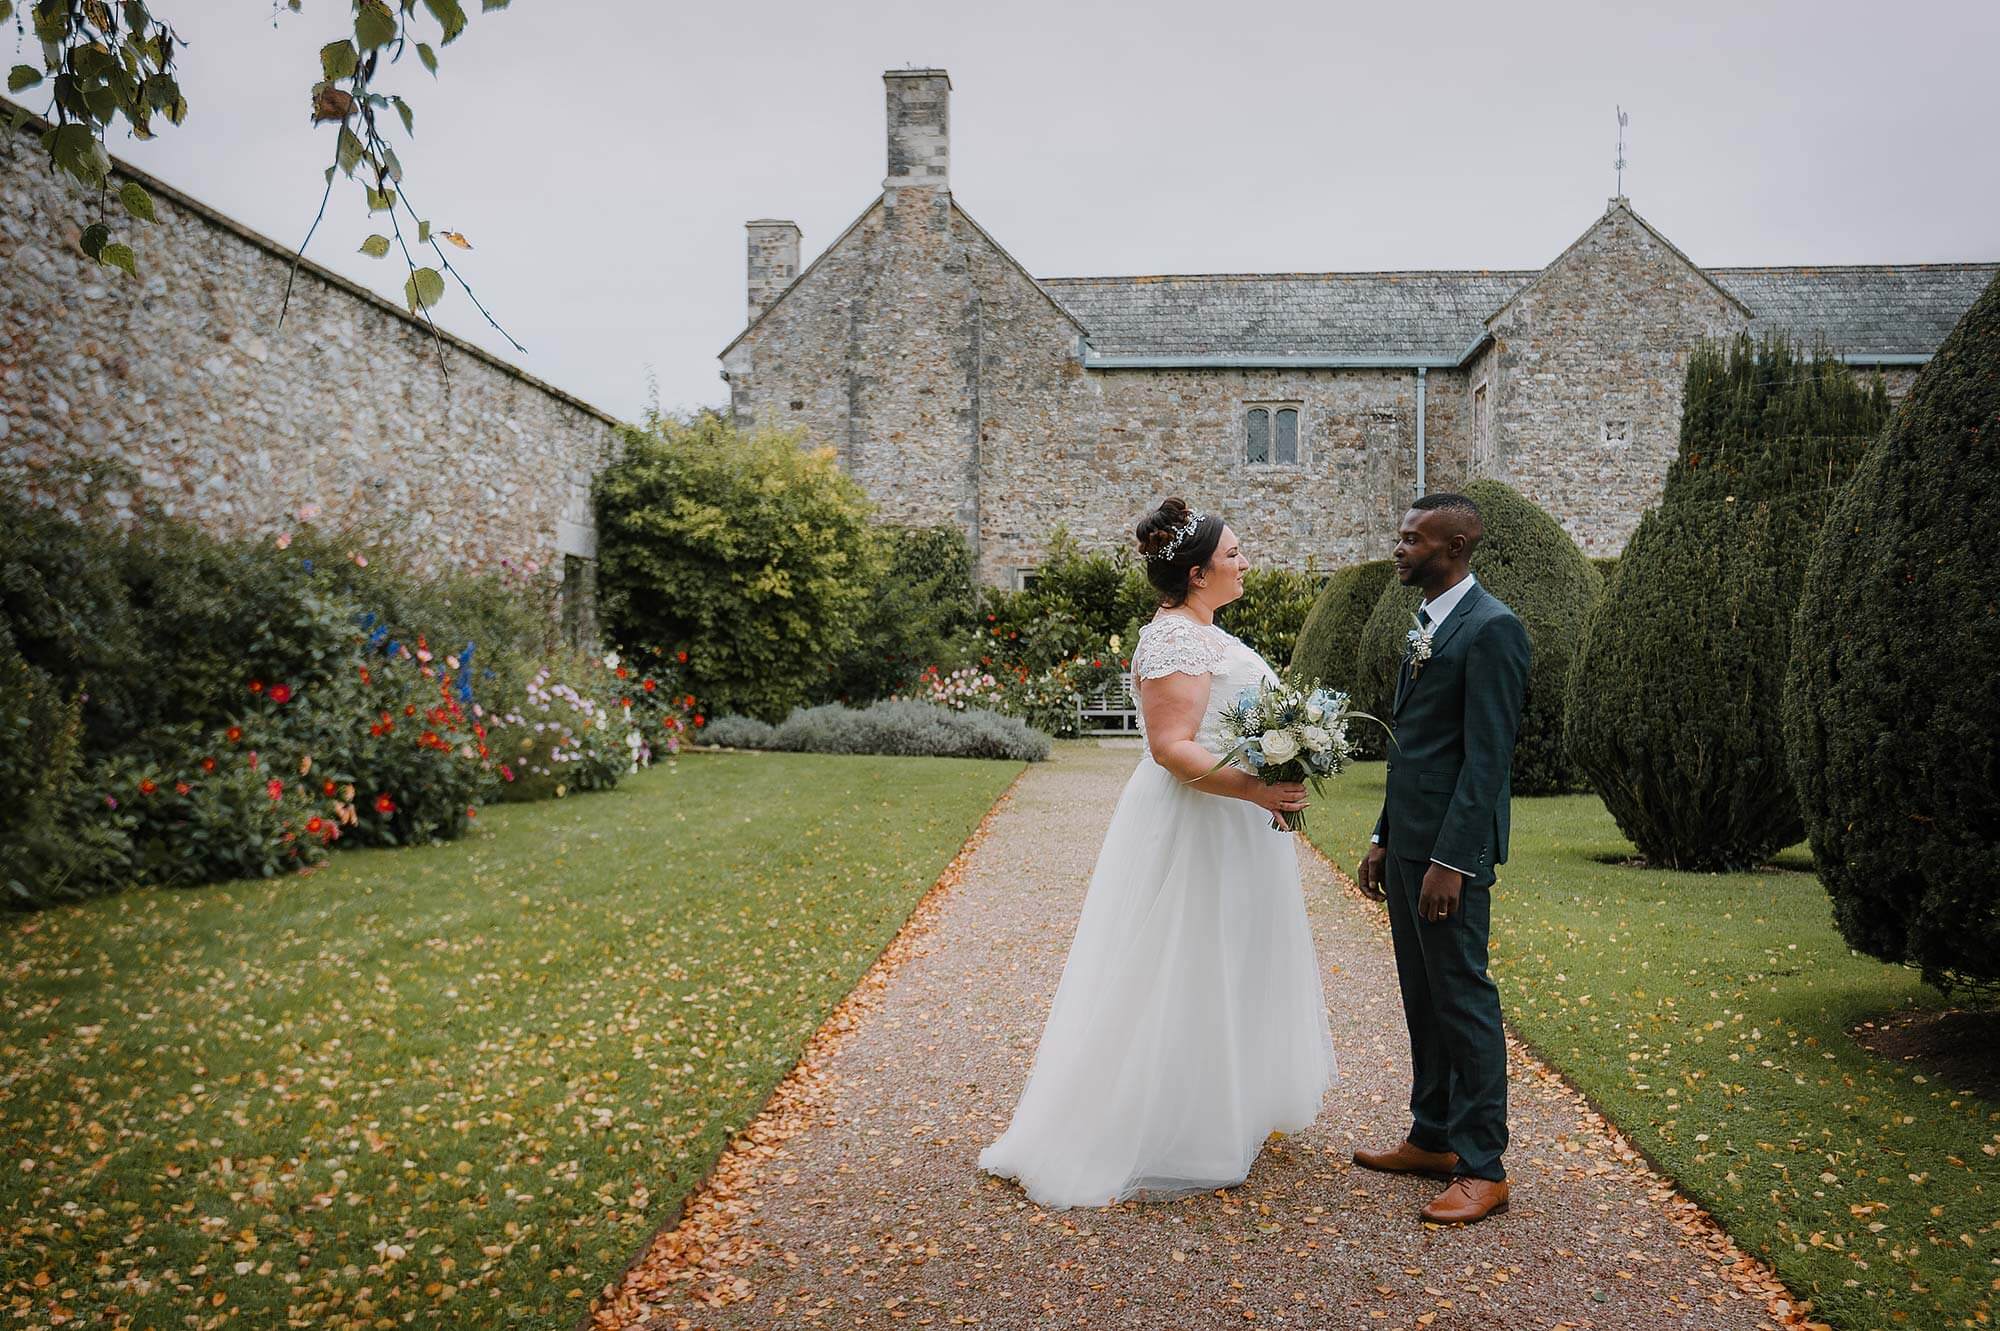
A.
pixel 1190 1021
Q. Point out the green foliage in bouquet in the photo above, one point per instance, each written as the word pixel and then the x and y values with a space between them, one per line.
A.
pixel 750 553
pixel 1673 712
pixel 1894 682
pixel 1527 560
pixel 1329 639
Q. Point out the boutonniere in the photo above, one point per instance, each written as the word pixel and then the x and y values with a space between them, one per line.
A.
pixel 1420 645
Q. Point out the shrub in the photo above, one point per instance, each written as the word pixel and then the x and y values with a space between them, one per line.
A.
pixel 892 726
pixel 1606 565
pixel 1893 684
pixel 1329 640
pixel 911 729
pixel 923 600
pixel 49 852
pixel 740 732
pixel 751 554
pixel 246 819
pixel 1272 609
pixel 1674 709
pixel 1528 561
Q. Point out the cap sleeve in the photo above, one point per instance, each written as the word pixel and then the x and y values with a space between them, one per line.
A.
pixel 1172 645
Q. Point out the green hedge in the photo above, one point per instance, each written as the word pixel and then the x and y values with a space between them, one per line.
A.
pixel 750 554
pixel 1894 681
pixel 1272 610
pixel 1673 712
pixel 176 708
pixel 1329 640
pixel 923 601
pixel 1528 561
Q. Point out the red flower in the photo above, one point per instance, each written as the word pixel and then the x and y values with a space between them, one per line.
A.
pixel 682 657
pixel 1097 665
pixel 326 788
pixel 482 750
pixel 624 702
pixel 315 824
pixel 256 686
pixel 208 764
pixel 148 786
pixel 384 805
pixel 375 729
pixel 506 772
pixel 700 720
pixel 409 709
pixel 275 789
pixel 428 739
pixel 234 733
pixel 366 678
pixel 647 685
pixel 182 787
pixel 471 812
pixel 281 693
pixel 622 672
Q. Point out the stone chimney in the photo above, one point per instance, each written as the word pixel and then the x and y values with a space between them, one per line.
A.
pixel 774 261
pixel 919 128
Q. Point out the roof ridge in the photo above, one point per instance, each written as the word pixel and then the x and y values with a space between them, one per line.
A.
pixel 1945 265
pixel 1283 276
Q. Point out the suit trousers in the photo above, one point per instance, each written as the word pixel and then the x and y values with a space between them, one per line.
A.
pixel 1458 1048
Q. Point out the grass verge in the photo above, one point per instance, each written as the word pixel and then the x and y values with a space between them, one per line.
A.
pixel 1707 1014
pixel 449 1085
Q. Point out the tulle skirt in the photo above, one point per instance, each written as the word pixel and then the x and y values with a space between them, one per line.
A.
pixel 1190 1021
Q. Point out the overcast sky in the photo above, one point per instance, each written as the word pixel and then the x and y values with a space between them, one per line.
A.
pixel 603 155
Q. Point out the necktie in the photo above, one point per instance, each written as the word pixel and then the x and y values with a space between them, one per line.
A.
pixel 1424 618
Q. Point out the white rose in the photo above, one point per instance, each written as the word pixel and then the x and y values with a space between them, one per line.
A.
pixel 1315 713
pixel 1278 746
pixel 1316 739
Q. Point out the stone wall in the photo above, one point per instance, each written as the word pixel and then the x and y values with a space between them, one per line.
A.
pixel 181 380
pixel 1589 360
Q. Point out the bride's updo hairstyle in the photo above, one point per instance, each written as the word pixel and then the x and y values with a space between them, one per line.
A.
pixel 1173 542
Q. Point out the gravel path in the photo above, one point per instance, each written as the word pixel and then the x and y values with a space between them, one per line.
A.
pixel 859 1203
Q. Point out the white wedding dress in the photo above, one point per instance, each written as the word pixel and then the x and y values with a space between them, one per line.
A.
pixel 1190 1021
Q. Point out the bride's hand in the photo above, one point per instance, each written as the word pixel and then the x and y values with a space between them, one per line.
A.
pixel 1281 798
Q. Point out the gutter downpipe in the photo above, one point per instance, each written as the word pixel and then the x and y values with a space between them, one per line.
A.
pixel 1422 371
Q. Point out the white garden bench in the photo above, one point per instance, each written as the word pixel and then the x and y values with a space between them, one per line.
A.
pixel 1111 710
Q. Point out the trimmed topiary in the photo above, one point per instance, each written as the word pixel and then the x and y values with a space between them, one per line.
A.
pixel 1673 712
pixel 1894 680
pixel 1606 565
pixel 1332 631
pixel 1527 560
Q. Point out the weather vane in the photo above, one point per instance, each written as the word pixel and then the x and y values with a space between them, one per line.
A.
pixel 1623 121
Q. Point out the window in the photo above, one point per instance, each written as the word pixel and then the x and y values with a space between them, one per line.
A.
pixel 1288 436
pixel 1024 578
pixel 1482 436
pixel 1617 434
pixel 1271 436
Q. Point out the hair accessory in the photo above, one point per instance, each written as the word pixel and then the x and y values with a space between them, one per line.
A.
pixel 1181 533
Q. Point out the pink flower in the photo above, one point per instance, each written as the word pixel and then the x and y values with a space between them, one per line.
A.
pixel 284 540
pixel 307 512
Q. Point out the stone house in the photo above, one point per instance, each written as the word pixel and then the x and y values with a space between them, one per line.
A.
pixel 959 388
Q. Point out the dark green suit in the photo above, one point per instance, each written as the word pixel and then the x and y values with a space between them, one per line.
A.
pixel 1449 786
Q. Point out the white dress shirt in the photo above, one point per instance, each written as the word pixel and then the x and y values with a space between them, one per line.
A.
pixel 1438 610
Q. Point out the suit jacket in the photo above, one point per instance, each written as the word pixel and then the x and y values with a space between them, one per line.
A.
pixel 1455 722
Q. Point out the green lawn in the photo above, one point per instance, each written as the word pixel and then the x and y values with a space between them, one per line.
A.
pixel 1707 1015
pixel 446 1086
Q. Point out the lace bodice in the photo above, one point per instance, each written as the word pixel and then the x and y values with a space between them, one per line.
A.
pixel 1175 644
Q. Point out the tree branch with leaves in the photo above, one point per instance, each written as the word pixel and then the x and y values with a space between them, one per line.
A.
pixel 104 61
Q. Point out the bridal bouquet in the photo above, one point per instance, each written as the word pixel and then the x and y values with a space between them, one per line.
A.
pixel 1281 733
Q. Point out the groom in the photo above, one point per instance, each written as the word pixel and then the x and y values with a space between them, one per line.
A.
pixel 1443 828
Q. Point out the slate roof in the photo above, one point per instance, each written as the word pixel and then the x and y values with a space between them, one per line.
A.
pixel 1873 309
pixel 1880 309
pixel 1422 315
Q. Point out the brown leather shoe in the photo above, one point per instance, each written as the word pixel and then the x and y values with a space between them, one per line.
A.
pixel 1467 1200
pixel 1404 1158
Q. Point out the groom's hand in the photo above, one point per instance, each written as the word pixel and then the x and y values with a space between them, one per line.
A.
pixel 1439 897
pixel 1370 876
